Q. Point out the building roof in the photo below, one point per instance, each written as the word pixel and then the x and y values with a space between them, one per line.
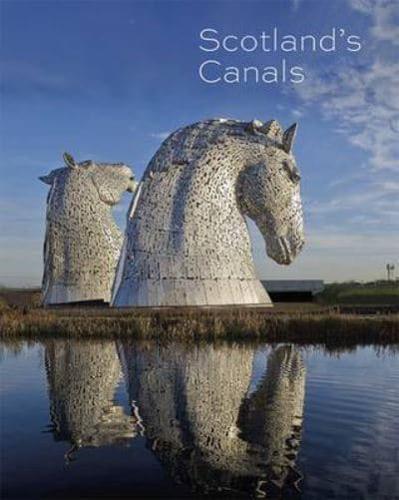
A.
pixel 313 286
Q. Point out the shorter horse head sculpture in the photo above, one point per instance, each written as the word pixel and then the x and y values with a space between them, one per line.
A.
pixel 187 241
pixel 82 242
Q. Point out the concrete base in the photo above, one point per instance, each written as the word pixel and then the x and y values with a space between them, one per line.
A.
pixel 61 294
pixel 185 292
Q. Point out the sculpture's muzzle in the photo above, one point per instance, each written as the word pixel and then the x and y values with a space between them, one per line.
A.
pixel 284 249
pixel 131 188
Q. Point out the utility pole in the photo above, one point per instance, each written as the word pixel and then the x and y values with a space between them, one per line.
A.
pixel 390 269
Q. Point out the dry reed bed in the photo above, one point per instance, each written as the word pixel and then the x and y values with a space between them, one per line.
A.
pixel 322 326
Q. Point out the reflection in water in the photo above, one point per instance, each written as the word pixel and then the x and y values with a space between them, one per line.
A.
pixel 193 405
pixel 216 418
pixel 201 424
pixel 271 417
pixel 82 379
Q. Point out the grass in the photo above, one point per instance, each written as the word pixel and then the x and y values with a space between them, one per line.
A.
pixel 380 292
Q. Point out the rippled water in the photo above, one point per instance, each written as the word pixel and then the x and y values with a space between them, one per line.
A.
pixel 124 419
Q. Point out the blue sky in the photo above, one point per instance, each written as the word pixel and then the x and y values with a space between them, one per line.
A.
pixel 108 80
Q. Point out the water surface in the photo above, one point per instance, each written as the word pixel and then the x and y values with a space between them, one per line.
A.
pixel 128 419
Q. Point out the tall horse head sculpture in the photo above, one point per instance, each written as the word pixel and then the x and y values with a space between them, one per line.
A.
pixel 187 241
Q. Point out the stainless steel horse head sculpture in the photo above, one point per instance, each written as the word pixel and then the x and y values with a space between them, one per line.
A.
pixel 83 242
pixel 187 241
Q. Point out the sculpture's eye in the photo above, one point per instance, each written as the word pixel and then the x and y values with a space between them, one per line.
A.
pixel 131 178
pixel 292 171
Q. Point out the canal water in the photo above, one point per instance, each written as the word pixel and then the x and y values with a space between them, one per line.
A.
pixel 90 419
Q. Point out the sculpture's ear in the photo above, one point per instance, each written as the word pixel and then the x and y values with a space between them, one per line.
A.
pixel 254 126
pixel 51 177
pixel 273 130
pixel 69 160
pixel 289 137
pixel 47 179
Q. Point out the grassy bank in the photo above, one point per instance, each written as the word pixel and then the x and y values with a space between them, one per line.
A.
pixel 322 326
pixel 305 323
pixel 379 292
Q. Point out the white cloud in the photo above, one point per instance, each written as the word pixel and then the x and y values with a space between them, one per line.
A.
pixel 372 203
pixel 160 135
pixel 361 244
pixel 365 104
pixel 353 231
pixel 297 113
pixel 365 6
pixel 350 179
pixel 295 4
pixel 33 74
pixel 387 23
pixel 363 98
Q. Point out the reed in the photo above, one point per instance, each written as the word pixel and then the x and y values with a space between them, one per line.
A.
pixel 322 326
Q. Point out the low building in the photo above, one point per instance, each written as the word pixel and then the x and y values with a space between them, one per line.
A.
pixel 293 290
